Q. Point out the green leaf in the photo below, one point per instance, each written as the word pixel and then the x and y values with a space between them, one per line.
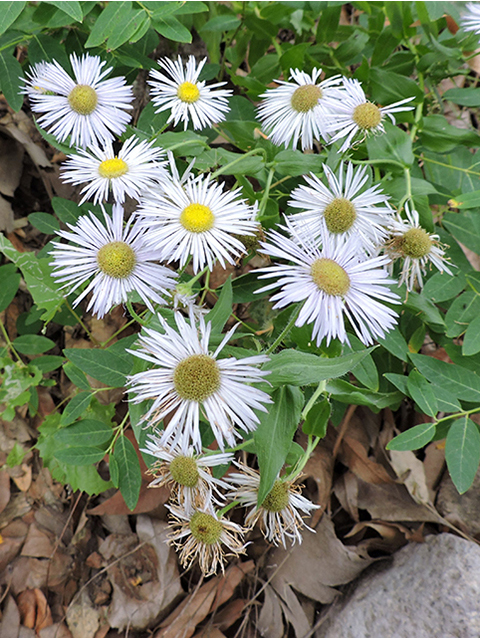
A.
pixel 80 455
pixel 76 375
pixel 464 384
pixel 297 368
pixel 244 288
pixel 48 363
pixel 85 433
pixel 131 24
pixel 16 455
pixel 465 97
pixel 10 280
pixel 462 311
pixel 10 12
pixel 45 48
pixel 66 210
pixel 438 135
pixel 395 343
pixel 296 163
pixel 44 222
pixel 316 422
pixel 129 474
pixel 171 28
pixel 365 371
pixel 393 147
pixel 426 310
pixel 107 23
pixel 76 407
pixel 31 344
pixel 11 74
pixel 414 438
pixel 464 227
pixel 101 365
pixel 462 453
pixel 222 310
pixel 421 392
pixel 442 286
pixel 274 435
pixel 71 8
pixel 388 86
pixel 350 394
pixel 471 339
pixel 225 22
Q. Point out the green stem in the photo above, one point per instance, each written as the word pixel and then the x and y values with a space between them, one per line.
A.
pixel 444 164
pixel 133 313
pixel 266 193
pixel 460 414
pixel 318 392
pixel 298 468
pixel 206 288
pixel 198 276
pixel 9 342
pixel 285 331
pixel 223 511
pixel 239 447
pixel 222 170
pixel 81 323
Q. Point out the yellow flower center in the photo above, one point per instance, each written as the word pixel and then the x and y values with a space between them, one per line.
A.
pixel 330 277
pixel 188 92
pixel 197 218
pixel 83 99
pixel 367 115
pixel 184 470
pixel 205 528
pixel 305 98
pixel 416 243
pixel 113 168
pixel 116 259
pixel 197 377
pixel 339 215
pixel 278 498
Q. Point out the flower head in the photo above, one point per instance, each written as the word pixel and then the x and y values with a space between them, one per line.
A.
pixel 206 535
pixel 189 474
pixel 333 280
pixel 355 117
pixel 298 110
pixel 116 256
pixel 198 219
pixel 417 247
pixel 187 378
pixel 179 89
pixel 135 169
pixel 343 208
pixel 279 513
pixel 89 109
pixel 471 19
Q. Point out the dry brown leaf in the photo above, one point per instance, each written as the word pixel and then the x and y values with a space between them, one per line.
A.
pixel 4 489
pixel 210 632
pixel 57 630
pixel 411 472
pixel 182 622
pixel 346 490
pixel 10 622
pixel 320 468
pixel 6 216
pixel 34 609
pixel 270 621
pixel 224 619
pixel 292 610
pixel 23 476
pixel 39 543
pixel 434 463
pixel 32 573
pixel 353 455
pixel 82 618
pixel 11 165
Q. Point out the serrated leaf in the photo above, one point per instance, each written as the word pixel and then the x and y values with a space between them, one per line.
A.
pixel 10 79
pixel 462 453
pixel 30 344
pixel 10 12
pixel 80 456
pixel 76 407
pixel 274 435
pixel 414 438
pixel 87 433
pixel 101 364
pixel 298 368
pixel 421 392
pixel 129 474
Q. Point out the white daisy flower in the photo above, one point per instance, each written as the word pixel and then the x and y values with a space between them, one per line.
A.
pixel 188 377
pixel 135 169
pixel 89 108
pixel 198 219
pixel 342 208
pixel 299 109
pixel 206 536
pixel 471 19
pixel 185 300
pixel 417 247
pixel 334 281
pixel 354 114
pixel 279 513
pixel 117 257
pixel 189 474
pixel 180 90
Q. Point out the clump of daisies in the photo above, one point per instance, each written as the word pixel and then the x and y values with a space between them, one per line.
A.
pixel 88 108
pixel 416 247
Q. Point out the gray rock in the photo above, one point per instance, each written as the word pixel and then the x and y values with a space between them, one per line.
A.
pixel 429 590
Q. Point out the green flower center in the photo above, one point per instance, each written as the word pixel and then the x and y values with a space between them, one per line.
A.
pixel 113 168
pixel 188 92
pixel 83 99
pixel 367 115
pixel 205 528
pixel 116 259
pixel 305 98
pixel 278 498
pixel 197 218
pixel 197 377
pixel 184 471
pixel 416 243
pixel 330 277
pixel 339 215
